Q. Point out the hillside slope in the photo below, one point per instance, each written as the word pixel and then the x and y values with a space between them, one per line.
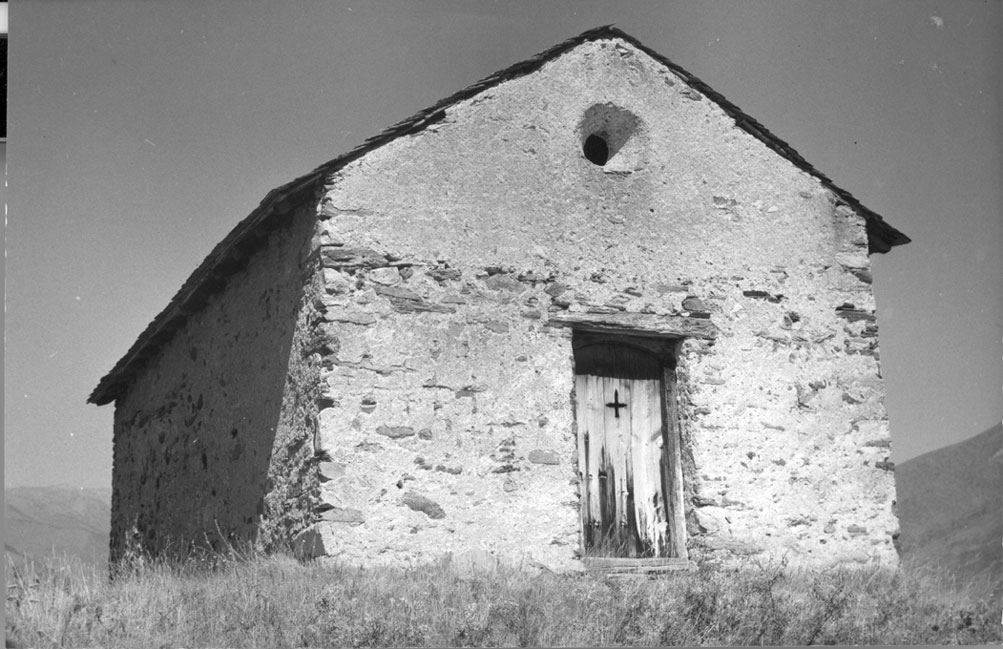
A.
pixel 42 521
pixel 950 506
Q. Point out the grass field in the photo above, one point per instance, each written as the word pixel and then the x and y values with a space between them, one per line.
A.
pixel 257 601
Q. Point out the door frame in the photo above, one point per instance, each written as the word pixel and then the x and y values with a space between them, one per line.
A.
pixel 665 350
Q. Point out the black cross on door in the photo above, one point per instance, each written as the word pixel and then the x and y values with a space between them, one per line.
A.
pixel 616 405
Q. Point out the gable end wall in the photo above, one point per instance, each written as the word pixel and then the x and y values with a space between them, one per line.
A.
pixel 448 397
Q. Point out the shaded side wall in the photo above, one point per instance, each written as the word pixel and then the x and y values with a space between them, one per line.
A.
pixel 213 440
pixel 449 421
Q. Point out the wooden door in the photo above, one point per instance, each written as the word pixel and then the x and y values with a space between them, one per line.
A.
pixel 622 451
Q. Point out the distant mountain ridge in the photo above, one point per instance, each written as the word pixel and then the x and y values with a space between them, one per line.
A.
pixel 40 522
pixel 950 507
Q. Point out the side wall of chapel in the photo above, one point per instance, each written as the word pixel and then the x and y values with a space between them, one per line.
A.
pixel 213 440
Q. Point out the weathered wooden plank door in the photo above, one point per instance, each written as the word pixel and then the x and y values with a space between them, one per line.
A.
pixel 621 450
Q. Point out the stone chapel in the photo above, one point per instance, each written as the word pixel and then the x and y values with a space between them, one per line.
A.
pixel 583 311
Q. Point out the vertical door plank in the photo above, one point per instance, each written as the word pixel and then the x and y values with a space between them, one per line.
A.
pixel 640 420
pixel 584 472
pixel 672 470
pixel 618 443
pixel 648 491
pixel 596 452
pixel 611 470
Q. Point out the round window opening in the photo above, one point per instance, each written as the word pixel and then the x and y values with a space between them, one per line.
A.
pixel 604 130
pixel 596 149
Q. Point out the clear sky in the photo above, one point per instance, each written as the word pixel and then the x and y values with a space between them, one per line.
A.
pixel 140 133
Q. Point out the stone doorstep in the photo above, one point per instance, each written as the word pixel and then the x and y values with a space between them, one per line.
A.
pixel 636 568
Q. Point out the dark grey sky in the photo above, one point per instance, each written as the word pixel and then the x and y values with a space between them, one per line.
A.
pixel 142 132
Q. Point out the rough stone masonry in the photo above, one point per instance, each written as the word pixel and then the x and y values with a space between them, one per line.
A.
pixel 394 357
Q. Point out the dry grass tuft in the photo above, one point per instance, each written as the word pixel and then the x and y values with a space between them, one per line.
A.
pixel 248 600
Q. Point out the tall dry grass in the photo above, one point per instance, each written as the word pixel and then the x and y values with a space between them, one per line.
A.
pixel 248 600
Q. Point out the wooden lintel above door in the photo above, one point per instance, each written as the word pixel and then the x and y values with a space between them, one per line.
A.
pixel 638 324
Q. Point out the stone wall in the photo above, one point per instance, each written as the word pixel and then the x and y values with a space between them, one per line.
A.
pixel 447 420
pixel 784 416
pixel 213 440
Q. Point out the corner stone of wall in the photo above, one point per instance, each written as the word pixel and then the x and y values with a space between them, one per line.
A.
pixel 293 481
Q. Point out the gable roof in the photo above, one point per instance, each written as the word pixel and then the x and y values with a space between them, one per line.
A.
pixel 231 253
